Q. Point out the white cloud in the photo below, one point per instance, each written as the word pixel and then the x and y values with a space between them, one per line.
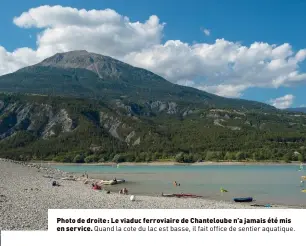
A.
pixel 206 32
pixel 282 102
pixel 66 29
pixel 223 67
pixel 11 61
pixel 225 90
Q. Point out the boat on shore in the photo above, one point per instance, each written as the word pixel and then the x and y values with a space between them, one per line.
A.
pixel 168 195
pixel 262 205
pixel 181 195
pixel 243 199
pixel 112 182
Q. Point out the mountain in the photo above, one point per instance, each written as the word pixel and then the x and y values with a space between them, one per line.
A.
pixel 78 106
pixel 297 110
pixel 88 75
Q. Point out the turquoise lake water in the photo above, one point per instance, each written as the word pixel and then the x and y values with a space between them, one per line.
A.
pixel 279 184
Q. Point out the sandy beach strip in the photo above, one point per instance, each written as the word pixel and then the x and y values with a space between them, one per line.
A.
pixel 26 194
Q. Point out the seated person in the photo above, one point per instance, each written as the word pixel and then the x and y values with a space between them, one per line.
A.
pixel 96 186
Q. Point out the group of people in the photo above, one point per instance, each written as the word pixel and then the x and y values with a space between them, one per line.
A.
pixel 124 191
pixel 176 184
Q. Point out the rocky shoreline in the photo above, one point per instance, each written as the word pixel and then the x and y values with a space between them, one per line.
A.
pixel 26 194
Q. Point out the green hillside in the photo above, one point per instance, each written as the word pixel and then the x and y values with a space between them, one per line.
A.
pixel 79 130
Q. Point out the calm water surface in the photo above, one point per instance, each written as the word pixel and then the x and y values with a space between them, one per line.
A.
pixel 278 184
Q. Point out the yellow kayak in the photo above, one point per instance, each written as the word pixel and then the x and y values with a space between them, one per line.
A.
pixel 303 177
pixel 303 190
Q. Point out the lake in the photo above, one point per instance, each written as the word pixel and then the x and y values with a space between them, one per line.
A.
pixel 279 184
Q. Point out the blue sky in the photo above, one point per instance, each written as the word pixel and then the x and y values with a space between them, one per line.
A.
pixel 237 22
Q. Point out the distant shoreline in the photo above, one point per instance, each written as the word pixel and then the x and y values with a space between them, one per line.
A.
pixel 173 163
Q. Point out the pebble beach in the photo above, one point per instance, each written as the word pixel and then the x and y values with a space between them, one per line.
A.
pixel 26 194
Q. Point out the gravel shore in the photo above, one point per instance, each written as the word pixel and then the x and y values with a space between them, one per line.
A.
pixel 26 194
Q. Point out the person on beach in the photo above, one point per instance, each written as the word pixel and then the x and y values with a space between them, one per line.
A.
pixel 54 183
pixel 96 186
pixel 124 191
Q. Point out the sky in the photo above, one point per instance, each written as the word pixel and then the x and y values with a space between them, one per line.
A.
pixel 253 50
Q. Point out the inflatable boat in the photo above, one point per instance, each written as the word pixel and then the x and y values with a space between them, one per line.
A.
pixel 243 199
pixel 112 182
